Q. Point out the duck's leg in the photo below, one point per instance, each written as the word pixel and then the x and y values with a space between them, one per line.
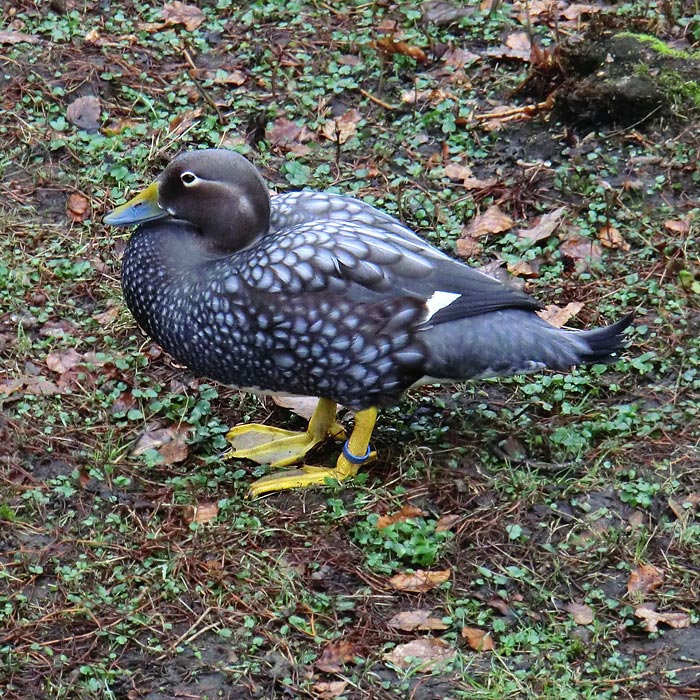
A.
pixel 356 452
pixel 281 448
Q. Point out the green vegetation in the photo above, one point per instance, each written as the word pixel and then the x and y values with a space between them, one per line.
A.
pixel 131 564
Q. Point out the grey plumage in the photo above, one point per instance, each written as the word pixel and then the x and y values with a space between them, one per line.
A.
pixel 323 295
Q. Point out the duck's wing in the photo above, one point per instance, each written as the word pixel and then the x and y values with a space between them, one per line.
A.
pixel 371 263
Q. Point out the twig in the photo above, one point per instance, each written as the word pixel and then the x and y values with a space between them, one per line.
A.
pixel 376 100
pixel 202 92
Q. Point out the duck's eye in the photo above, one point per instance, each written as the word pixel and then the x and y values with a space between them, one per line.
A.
pixel 188 179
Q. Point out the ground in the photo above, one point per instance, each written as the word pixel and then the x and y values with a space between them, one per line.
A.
pixel 540 535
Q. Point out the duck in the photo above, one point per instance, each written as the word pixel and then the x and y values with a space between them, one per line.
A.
pixel 323 295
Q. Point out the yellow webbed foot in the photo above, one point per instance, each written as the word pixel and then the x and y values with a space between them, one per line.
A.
pixel 355 453
pixel 281 448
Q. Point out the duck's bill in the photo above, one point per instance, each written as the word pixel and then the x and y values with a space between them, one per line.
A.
pixel 143 207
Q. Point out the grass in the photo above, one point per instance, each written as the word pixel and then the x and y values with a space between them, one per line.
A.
pixel 561 485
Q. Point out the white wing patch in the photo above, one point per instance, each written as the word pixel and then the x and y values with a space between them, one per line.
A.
pixel 438 301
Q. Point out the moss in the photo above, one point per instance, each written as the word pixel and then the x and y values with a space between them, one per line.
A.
pixel 675 86
pixel 659 46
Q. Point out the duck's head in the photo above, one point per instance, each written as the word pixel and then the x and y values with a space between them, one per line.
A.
pixel 218 191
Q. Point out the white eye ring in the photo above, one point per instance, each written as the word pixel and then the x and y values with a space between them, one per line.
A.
pixel 189 179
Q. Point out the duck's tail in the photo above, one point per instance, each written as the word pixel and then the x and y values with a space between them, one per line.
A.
pixel 515 341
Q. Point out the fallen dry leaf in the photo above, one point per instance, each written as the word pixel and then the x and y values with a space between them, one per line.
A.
pixel 334 656
pixel 652 618
pixel 203 513
pixel 576 9
pixel 466 247
pixel 582 614
pixel 118 126
pixel 521 268
pixel 493 220
pixel 303 406
pixel 545 227
pixel 610 237
pixel 226 76
pixel 78 207
pixel 330 689
pixel 9 37
pixel 406 513
pixel 681 505
pixel 390 46
pixel 110 314
pixel 460 58
pixel 644 579
pixel 520 41
pixel 170 443
pixel 34 386
pixel 455 171
pixel 419 581
pixel 581 250
pixel 442 12
pixel 477 639
pixel 681 226
pixel 179 13
pixel 421 655
pixel 447 522
pixel 84 112
pixel 411 620
pixel 558 316
pixel 63 361
pixel 342 128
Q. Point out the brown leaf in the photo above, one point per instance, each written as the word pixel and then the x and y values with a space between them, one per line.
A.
pixel 442 12
pixel 455 171
pixel 545 227
pixel 202 513
pixel 406 513
pixel 500 605
pixel 419 581
pixel 644 579
pixel 411 620
pixel 460 58
pixel 178 13
pixel 610 237
pixel 466 247
pixel 681 226
pixel 493 220
pixel 477 639
pixel 580 250
pixel 110 314
pixel 78 207
pixel 330 689
pixel 58 329
pixel 118 126
pixel 334 656
pixel 421 655
pixel 682 504
pixel 223 76
pixel 170 443
pixel 582 614
pixel 84 112
pixel 390 46
pixel 174 451
pixel 520 41
pixel 447 522
pixel 9 37
pixel 652 618
pixel 63 361
pixel 576 9
pixel 303 406
pixel 521 268
pixel 556 316
pixel 342 128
